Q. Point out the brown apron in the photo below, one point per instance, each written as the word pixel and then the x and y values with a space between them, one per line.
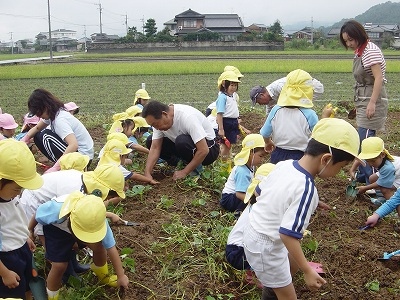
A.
pixel 362 94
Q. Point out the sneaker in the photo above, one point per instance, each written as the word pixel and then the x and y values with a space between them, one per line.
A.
pixel 370 192
pixel 378 201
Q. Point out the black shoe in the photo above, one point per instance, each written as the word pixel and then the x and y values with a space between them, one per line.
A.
pixel 268 294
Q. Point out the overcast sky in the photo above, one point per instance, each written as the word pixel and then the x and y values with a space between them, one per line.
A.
pixel 26 18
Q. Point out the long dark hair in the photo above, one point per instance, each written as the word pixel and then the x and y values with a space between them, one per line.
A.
pixel 42 100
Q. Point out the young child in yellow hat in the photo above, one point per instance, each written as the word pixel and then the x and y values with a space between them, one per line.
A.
pixel 287 199
pixel 78 218
pixel 288 126
pixel 250 157
pixel 17 171
pixel 387 179
pixel 227 111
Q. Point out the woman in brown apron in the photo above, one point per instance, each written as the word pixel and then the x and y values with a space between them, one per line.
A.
pixel 370 97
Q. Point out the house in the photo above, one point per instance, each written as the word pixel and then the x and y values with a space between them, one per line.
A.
pixel 57 34
pixel 305 34
pixel 229 26
pixel 103 38
pixel 376 32
pixel 259 28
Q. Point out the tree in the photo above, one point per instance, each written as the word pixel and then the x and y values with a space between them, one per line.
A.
pixel 150 28
pixel 276 28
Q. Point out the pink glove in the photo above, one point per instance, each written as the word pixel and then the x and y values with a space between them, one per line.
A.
pixel 26 139
pixel 54 168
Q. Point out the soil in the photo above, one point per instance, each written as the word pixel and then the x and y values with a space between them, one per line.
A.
pixel 348 255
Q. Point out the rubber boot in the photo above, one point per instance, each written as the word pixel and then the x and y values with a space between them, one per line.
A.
pixel 104 277
pixel 68 273
pixel 52 295
pixel 78 268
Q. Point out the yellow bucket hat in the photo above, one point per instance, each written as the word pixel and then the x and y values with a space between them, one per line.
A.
pixel 372 147
pixel 139 122
pixel 337 133
pixel 118 136
pixel 251 141
pixel 133 111
pixel 234 69
pixel 142 94
pixel 113 150
pixel 120 116
pixel 87 216
pixel 297 91
pixel 261 173
pixel 227 75
pixel 74 160
pixel 105 177
pixel 18 164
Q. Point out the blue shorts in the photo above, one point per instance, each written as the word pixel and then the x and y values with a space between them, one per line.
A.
pixel 19 261
pixel 236 257
pixel 280 154
pixel 364 172
pixel 231 128
pixel 59 243
pixel 232 203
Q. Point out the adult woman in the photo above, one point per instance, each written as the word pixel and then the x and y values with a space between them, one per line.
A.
pixel 65 133
pixel 369 67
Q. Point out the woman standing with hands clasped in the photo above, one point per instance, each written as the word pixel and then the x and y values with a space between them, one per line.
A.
pixel 371 100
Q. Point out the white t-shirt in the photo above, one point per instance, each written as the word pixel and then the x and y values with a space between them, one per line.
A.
pixel 13 225
pixel 284 206
pixel 65 124
pixel 187 120
pixel 238 181
pixel 54 185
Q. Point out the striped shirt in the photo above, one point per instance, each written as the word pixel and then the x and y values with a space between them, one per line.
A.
pixel 372 55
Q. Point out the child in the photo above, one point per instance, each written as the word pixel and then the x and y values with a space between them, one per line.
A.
pixel 78 218
pixel 284 207
pixel 288 126
pixel 227 111
pixel 130 129
pixel 141 98
pixel 17 171
pixel 240 177
pixel 124 123
pixel 234 249
pixel 74 161
pixel 115 153
pixel 7 126
pixel 29 122
pixel 72 108
pixel 387 179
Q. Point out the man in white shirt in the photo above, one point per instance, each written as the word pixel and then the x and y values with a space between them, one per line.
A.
pixel 269 95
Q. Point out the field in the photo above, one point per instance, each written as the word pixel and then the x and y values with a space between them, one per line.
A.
pixel 177 251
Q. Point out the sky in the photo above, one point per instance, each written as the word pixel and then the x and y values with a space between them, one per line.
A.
pixel 21 19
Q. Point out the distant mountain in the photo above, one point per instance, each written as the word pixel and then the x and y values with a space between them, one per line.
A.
pixel 384 13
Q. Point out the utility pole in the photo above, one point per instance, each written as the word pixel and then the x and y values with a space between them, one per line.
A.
pixel 50 42
pixel 126 23
pixel 312 31
pixel 101 25
pixel 12 43
pixel 84 31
